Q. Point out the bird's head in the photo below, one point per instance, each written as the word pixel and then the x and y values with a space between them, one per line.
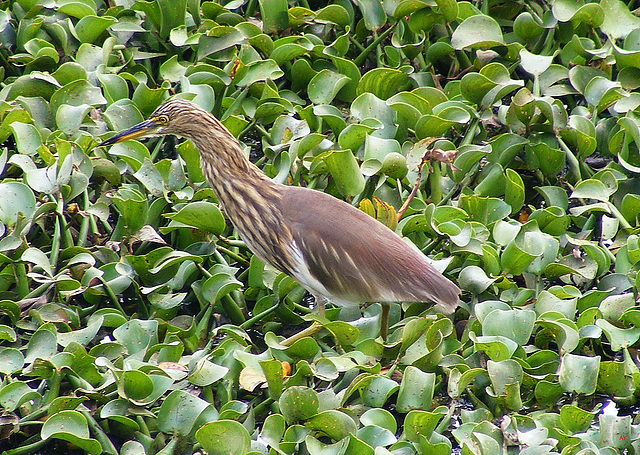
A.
pixel 171 117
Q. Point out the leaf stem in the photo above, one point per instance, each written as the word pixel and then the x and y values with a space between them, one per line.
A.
pixel 365 53
pixel 232 255
pixel 24 450
pixel 22 282
pixel 572 161
pixel 111 295
pixel 107 446
pixel 249 322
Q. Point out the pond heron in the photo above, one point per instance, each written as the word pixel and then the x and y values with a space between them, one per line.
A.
pixel 337 252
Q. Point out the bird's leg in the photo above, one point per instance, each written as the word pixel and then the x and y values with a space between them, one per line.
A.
pixel 384 320
pixel 314 328
pixel 320 302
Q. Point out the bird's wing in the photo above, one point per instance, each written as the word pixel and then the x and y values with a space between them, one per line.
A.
pixel 355 257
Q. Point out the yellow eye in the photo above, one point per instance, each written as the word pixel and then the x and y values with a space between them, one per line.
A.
pixel 162 119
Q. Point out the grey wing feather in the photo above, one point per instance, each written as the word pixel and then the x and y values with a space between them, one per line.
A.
pixel 357 258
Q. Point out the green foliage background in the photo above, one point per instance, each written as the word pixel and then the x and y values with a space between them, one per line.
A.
pixel 134 321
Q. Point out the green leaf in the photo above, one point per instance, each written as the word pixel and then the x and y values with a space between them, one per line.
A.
pixel 316 447
pixel 15 198
pixel 179 412
pixel 81 336
pixel 619 338
pixel 618 20
pixel 205 373
pixel 70 426
pixel 373 14
pixel 224 437
pixel 416 390
pixel 42 345
pixel 506 378
pixel 135 385
pixel 526 28
pixel 345 171
pixel 11 360
pixel 325 85
pixel 383 82
pixel 298 403
pixel 333 423
pixel 575 420
pixel 570 10
pixel 497 348
pixel 137 335
pixel 378 391
pixel 477 32
pixel 202 215
pixel 614 379
pixel 579 373
pixel 474 279
pixel 615 431
pixel 379 417
pixel 420 423
pixel 516 325
pixel 484 210
pixel 591 189
pixel 14 394
pixel 27 137
pixel 274 15
pixel 90 27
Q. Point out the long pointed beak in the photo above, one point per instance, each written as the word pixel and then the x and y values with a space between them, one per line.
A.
pixel 141 129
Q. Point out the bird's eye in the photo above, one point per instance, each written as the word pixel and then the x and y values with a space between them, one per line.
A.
pixel 162 119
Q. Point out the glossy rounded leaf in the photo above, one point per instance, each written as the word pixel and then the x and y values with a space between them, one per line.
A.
pixel 526 27
pixel 378 391
pixel 15 198
pixel 70 426
pixel 11 360
pixel 202 215
pixel 298 403
pixel 619 338
pixel 474 279
pixel 135 385
pixel 15 394
pixel 383 82
pixel 569 10
pixel 224 437
pixel 514 324
pixel 497 348
pixel 416 390
pixel 379 417
pixel 579 373
pixel 206 373
pixel 514 190
pixel 137 335
pixel 179 411
pixel 477 32
pixel 345 171
pixel 373 14
pixel 419 423
pixel 315 447
pixel 618 20
pixel 259 70
pixel 504 373
pixel 90 27
pixel 81 336
pixel 333 423
pixel 42 345
pixel 325 85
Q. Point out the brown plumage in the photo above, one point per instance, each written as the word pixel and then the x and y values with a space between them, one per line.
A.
pixel 334 250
